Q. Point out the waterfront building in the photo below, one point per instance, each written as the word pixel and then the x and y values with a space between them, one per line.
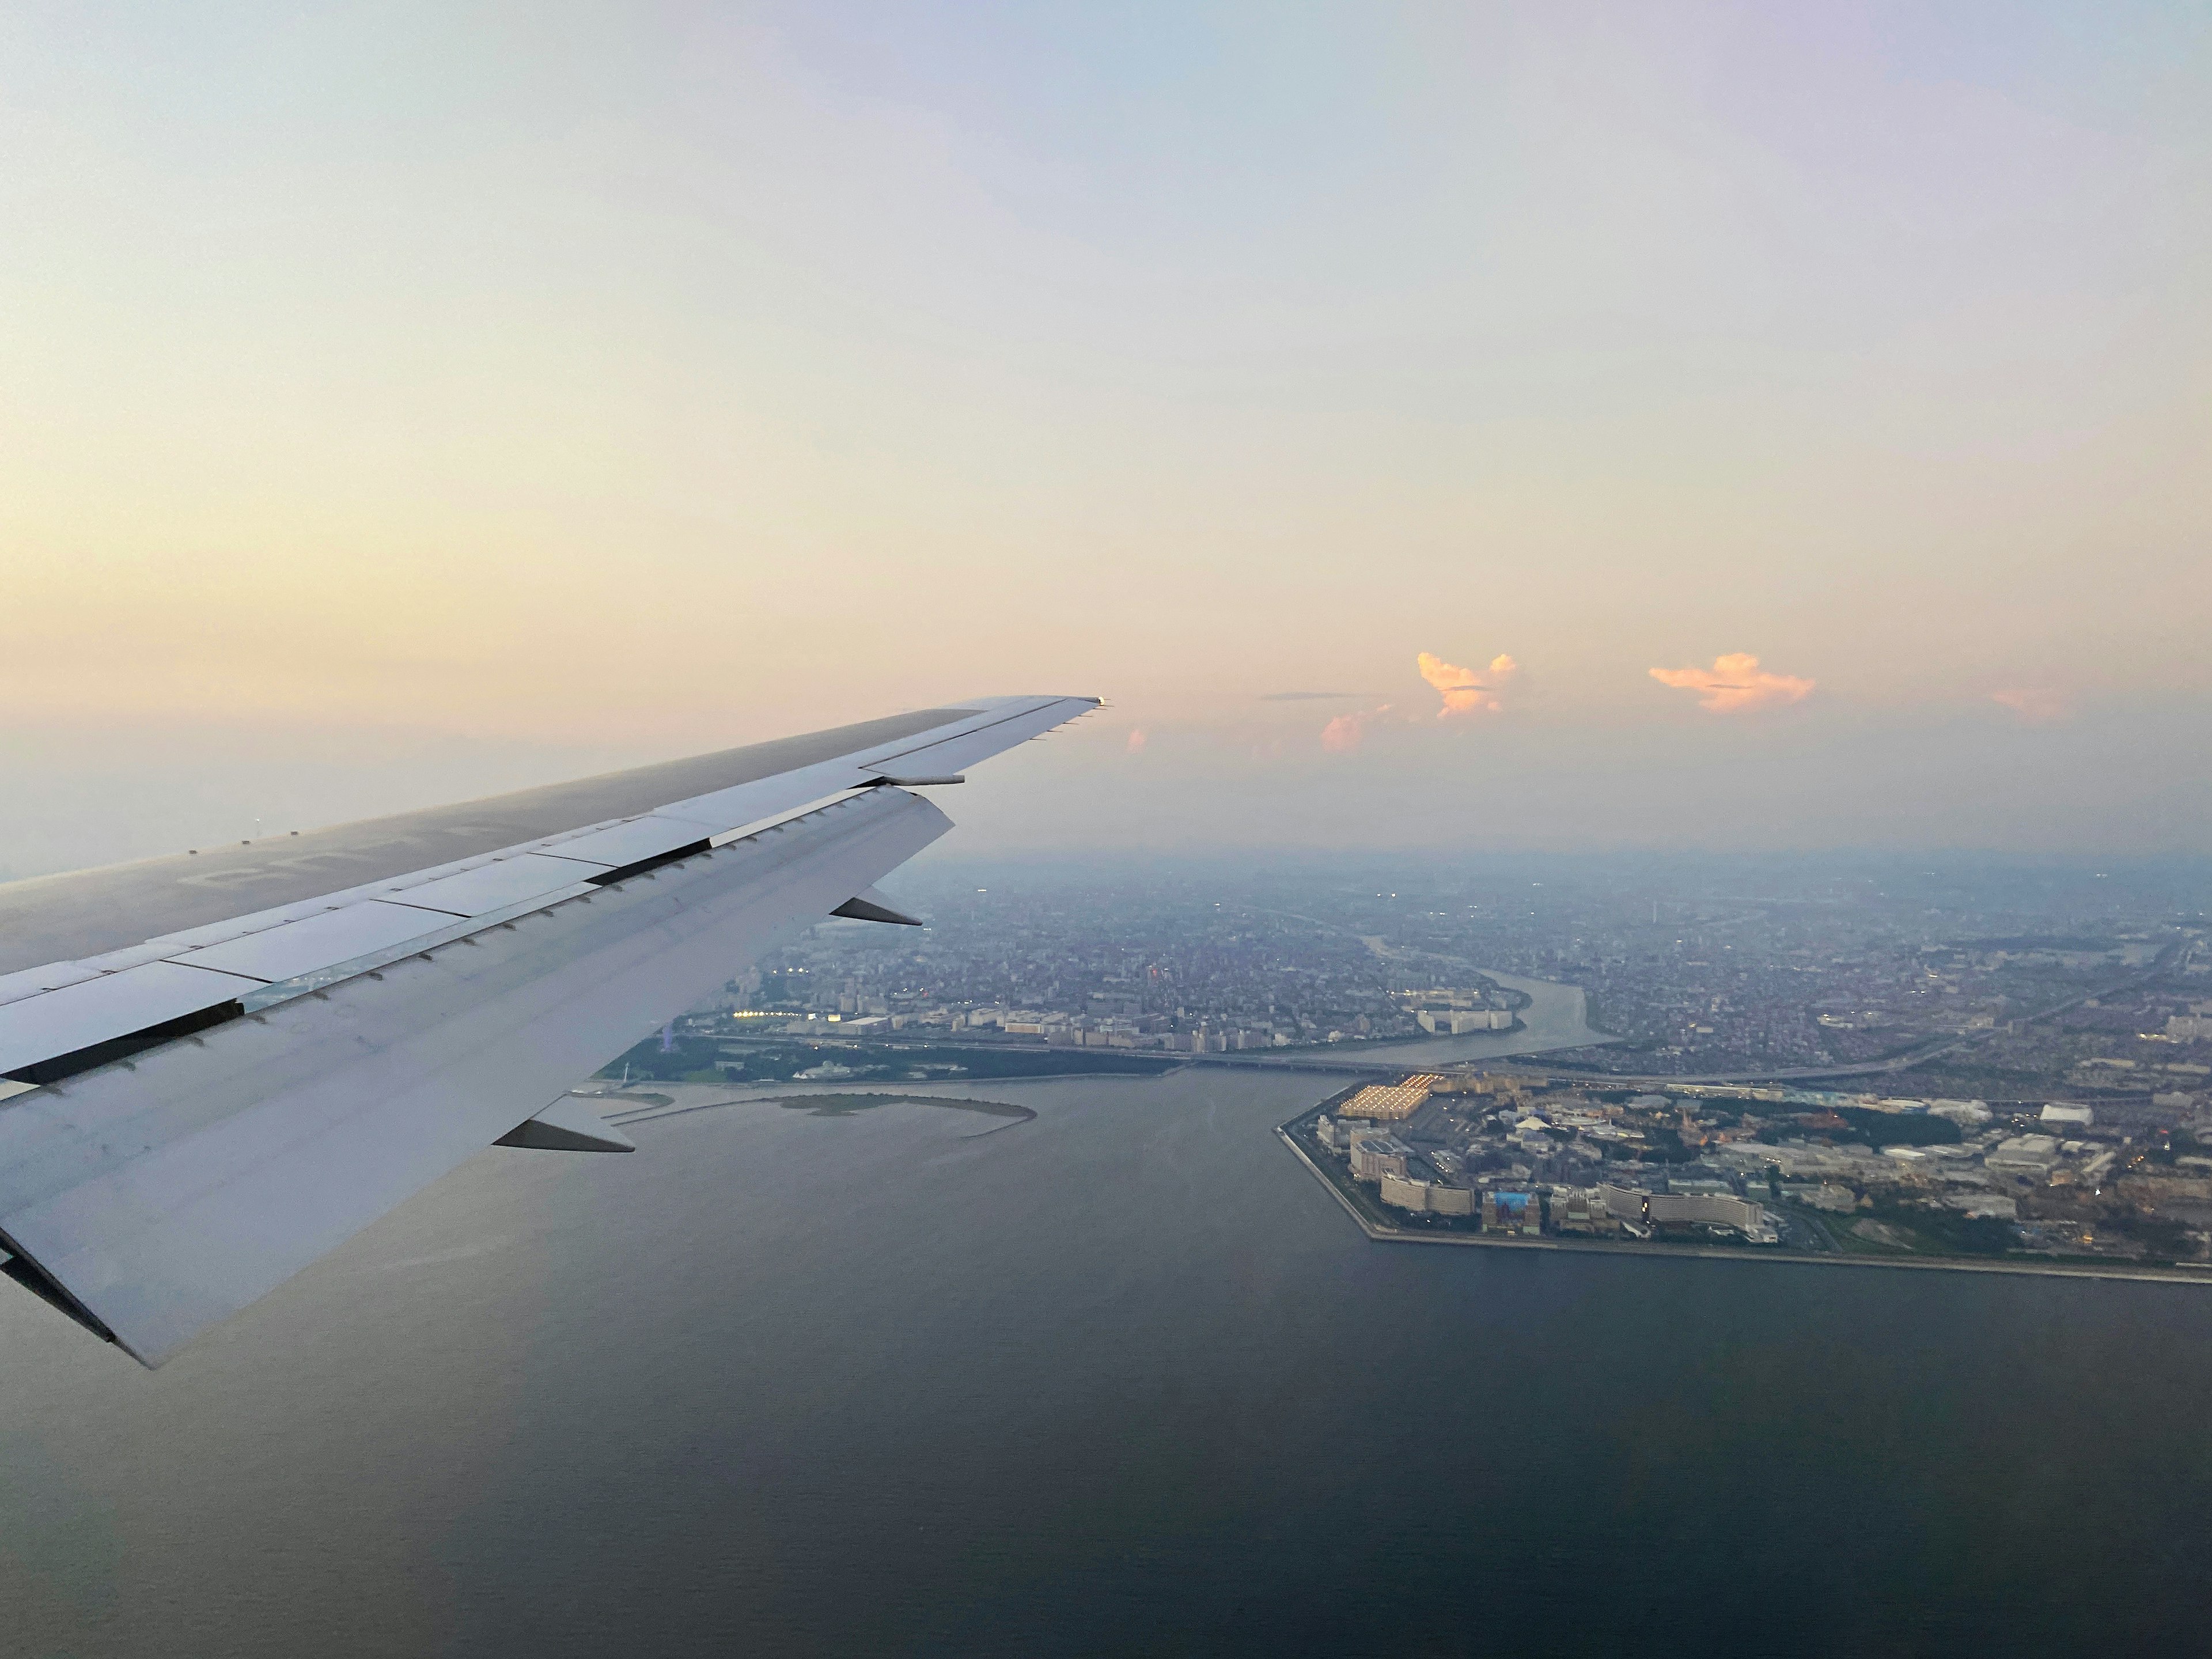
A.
pixel 1580 1210
pixel 1443 997
pixel 1450 1201
pixel 1512 1213
pixel 1405 1193
pixel 1707 1209
pixel 1622 1203
pixel 1456 1022
pixel 1374 1156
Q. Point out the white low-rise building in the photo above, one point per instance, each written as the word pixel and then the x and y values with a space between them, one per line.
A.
pixel 2034 1156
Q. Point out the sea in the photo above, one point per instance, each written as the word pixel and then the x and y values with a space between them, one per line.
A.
pixel 813 1376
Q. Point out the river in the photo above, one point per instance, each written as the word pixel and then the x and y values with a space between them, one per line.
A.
pixel 1557 1016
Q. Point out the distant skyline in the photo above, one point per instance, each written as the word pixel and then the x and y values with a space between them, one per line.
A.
pixel 1687 426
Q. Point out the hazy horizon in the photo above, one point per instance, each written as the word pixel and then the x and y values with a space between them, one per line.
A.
pixel 1679 427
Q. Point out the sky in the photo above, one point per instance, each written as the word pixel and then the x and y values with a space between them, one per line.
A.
pixel 1550 426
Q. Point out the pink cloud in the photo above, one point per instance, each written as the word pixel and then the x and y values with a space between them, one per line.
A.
pixel 2035 704
pixel 1343 734
pixel 1734 682
pixel 1136 740
pixel 1464 690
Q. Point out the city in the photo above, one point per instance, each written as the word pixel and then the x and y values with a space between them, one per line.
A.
pixel 1514 1155
pixel 1889 1064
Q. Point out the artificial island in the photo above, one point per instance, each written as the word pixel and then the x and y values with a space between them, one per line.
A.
pixel 1518 1157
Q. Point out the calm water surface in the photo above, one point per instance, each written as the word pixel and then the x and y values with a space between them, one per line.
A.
pixel 1122 1379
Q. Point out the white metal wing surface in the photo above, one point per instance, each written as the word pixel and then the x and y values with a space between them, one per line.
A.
pixel 197 1115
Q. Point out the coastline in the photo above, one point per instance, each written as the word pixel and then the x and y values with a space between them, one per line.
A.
pixel 1387 1235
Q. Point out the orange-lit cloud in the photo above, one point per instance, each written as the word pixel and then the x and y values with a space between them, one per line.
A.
pixel 1343 734
pixel 1734 682
pixel 2034 703
pixel 1465 691
pixel 1136 740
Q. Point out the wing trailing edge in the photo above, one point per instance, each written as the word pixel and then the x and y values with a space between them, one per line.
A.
pixel 194 1118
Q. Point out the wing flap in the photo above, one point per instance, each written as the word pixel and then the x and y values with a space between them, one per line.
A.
pixel 498 885
pixel 294 948
pixel 629 842
pixel 33 981
pixel 112 1005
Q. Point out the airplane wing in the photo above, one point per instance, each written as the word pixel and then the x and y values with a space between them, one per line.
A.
pixel 217 1067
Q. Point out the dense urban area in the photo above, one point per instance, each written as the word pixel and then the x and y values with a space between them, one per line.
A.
pixel 1878 1059
pixel 1521 1155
